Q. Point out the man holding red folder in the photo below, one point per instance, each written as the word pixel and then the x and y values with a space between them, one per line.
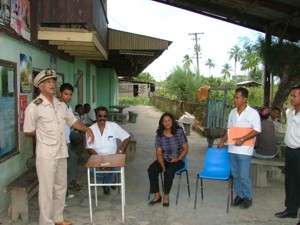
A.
pixel 244 124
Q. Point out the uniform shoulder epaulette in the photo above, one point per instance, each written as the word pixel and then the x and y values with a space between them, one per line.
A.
pixel 38 101
pixel 59 99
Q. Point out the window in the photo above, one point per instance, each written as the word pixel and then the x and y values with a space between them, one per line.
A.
pixel 8 110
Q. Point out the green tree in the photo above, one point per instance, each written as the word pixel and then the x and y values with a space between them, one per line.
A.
pixel 144 77
pixel 283 60
pixel 236 54
pixel 187 61
pixel 210 63
pixel 226 69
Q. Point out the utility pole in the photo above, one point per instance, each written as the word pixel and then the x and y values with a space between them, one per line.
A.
pixel 197 47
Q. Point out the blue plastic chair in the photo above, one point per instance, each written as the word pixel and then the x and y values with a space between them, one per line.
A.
pixel 216 167
pixel 179 172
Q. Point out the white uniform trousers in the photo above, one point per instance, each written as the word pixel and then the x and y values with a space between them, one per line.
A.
pixel 52 176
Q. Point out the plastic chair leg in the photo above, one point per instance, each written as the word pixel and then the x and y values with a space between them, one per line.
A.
pixel 179 182
pixel 196 192
pixel 201 188
pixel 188 182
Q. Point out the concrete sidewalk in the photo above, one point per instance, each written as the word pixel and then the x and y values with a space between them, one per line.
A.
pixel 212 210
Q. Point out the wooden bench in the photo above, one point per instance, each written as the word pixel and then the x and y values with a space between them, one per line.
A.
pixel 264 169
pixel 131 149
pixel 22 190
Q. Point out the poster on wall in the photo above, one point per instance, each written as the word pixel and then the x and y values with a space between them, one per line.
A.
pixel 20 17
pixel 23 105
pixel 26 73
pixel 4 12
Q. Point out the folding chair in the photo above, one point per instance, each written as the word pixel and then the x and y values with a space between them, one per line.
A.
pixel 216 167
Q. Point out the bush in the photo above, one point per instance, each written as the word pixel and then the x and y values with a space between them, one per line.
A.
pixel 134 101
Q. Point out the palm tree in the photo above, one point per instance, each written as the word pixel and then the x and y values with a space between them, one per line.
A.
pixel 235 53
pixel 226 71
pixel 210 64
pixel 187 61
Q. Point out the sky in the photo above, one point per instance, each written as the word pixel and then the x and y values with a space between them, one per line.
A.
pixel 149 18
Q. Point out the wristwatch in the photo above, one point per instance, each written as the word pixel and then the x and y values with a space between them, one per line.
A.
pixel 120 151
pixel 242 140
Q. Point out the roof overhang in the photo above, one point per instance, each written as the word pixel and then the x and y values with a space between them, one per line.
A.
pixel 131 53
pixel 79 43
pixel 280 18
pixel 128 53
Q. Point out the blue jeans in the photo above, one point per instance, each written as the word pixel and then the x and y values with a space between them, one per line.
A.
pixel 107 178
pixel 72 164
pixel 240 170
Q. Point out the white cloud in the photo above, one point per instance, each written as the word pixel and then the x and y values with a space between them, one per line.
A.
pixel 169 23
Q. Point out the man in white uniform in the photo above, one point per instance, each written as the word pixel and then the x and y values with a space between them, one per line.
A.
pixel 106 134
pixel 46 118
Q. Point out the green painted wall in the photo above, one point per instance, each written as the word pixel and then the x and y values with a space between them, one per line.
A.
pixel 106 93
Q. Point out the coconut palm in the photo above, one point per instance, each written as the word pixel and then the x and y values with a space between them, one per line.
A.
pixel 235 53
pixel 210 63
pixel 187 61
pixel 226 71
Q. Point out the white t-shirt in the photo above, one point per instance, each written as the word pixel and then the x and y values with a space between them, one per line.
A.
pixel 106 143
pixel 292 134
pixel 249 118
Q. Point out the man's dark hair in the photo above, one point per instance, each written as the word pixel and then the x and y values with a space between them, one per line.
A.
pixel 101 108
pixel 243 91
pixel 78 106
pixel 66 86
pixel 275 108
pixel 296 87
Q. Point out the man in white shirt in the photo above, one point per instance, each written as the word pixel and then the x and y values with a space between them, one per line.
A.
pixel 274 117
pixel 240 155
pixel 106 134
pixel 292 159
pixel 88 118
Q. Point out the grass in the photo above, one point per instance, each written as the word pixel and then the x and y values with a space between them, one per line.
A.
pixel 134 101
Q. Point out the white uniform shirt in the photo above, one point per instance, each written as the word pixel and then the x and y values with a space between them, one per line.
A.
pixel 68 129
pixel 249 118
pixel 292 134
pixel 106 143
pixel 49 121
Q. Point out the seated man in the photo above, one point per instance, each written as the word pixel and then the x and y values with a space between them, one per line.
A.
pixel 274 117
pixel 106 135
pixel 88 117
pixel 265 144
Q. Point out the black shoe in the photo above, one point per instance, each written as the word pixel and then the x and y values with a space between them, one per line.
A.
pixel 246 203
pixel 106 190
pixel 286 214
pixel 237 201
pixel 166 204
pixel 154 202
pixel 113 187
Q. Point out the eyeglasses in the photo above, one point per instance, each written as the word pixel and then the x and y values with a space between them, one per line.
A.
pixel 102 116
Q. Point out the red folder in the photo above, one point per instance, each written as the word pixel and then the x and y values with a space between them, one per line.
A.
pixel 239 132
